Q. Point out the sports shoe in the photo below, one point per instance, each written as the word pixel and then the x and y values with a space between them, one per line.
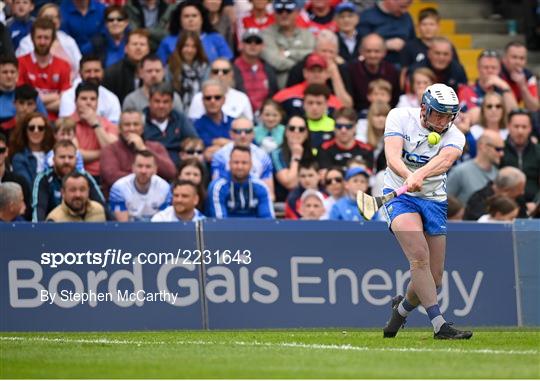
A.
pixel 447 332
pixel 396 320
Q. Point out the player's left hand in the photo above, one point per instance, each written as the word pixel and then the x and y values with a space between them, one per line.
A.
pixel 414 183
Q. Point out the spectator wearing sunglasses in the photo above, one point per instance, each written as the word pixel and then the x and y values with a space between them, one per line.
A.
pixel 117 158
pixel 521 80
pixel 472 96
pixel 29 143
pixel 192 148
pixel 344 146
pixel 521 152
pixel 296 149
pixel 111 43
pixel 334 187
pixel 285 43
pixel 472 175
pixel 214 125
pixel 492 116
pixel 236 102
pixel 259 78
pixel 242 134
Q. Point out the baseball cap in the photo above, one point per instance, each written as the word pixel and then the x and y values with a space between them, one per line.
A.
pixel 312 192
pixel 345 7
pixel 252 32
pixel 289 5
pixel 315 59
pixel 354 171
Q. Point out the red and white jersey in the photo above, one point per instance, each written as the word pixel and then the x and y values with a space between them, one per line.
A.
pixel 53 78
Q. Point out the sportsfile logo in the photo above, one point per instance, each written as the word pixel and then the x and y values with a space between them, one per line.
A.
pixel 309 279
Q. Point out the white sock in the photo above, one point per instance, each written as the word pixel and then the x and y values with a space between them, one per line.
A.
pixel 402 311
pixel 437 323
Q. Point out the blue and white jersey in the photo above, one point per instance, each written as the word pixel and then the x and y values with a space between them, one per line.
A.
pixel 141 207
pixel 227 198
pixel 417 152
pixel 169 215
pixel 261 162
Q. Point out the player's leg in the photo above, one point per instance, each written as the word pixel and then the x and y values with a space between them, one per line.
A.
pixel 408 230
pixel 435 216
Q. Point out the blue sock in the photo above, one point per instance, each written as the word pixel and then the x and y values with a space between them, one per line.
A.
pixel 436 317
pixel 405 308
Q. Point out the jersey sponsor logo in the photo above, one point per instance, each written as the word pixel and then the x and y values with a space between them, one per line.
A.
pixel 414 159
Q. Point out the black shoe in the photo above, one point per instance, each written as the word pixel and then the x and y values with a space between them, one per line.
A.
pixel 447 332
pixel 396 320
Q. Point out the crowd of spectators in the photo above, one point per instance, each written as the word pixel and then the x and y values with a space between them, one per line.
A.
pixel 154 110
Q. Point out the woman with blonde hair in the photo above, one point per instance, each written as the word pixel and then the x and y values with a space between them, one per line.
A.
pixel 492 116
pixel 421 78
pixel 375 132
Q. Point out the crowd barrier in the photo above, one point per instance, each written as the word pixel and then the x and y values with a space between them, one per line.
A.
pixel 254 274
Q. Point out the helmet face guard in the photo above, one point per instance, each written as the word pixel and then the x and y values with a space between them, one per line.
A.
pixel 442 99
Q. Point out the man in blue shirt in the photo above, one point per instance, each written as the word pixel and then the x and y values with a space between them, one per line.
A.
pixel 391 20
pixel 82 20
pixel 214 126
pixel 239 195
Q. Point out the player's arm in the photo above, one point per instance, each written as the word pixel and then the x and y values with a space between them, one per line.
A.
pixel 393 149
pixel 440 164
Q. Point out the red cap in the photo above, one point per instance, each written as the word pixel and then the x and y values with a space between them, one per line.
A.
pixel 314 60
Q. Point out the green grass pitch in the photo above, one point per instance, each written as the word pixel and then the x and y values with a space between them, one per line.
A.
pixel 491 353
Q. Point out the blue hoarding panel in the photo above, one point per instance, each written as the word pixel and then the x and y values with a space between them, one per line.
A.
pixel 527 244
pixel 126 295
pixel 320 274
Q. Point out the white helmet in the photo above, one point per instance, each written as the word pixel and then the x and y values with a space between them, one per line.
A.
pixel 443 99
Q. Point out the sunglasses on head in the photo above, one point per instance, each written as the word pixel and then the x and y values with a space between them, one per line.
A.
pixel 337 180
pixel 296 128
pixel 519 111
pixel 194 151
pixel 339 126
pixel 241 131
pixel 221 71
pixel 117 19
pixel 3 150
pixel 213 97
pixel 495 105
pixel 489 53
pixel 36 127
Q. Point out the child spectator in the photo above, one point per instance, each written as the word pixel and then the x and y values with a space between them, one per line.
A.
pixel 308 178
pixel 500 209
pixel 20 23
pixel 356 179
pixel 312 205
pixel 334 187
pixel 269 132
pixel 320 124
pixel 64 129
pixel 195 171
pixel 420 80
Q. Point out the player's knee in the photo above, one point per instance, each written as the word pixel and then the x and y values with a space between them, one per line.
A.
pixel 418 264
